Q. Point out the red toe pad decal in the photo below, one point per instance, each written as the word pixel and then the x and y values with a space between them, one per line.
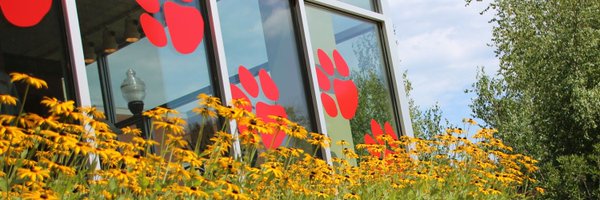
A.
pixel 325 62
pixel 186 27
pixel 347 95
pixel 154 30
pixel 376 129
pixel 268 85
pixel 329 105
pixel 389 130
pixel 248 82
pixel 340 64
pixel 324 83
pixel 151 6
pixel 25 13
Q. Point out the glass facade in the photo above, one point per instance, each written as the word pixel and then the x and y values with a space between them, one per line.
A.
pixel 352 75
pixel 34 45
pixel 177 49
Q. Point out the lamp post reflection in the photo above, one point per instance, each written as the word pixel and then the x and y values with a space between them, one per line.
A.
pixel 134 92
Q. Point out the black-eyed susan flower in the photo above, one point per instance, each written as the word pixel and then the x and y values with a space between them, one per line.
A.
pixel 319 140
pixel 273 168
pixel 8 99
pixel 33 173
pixel 29 80
pixel 208 101
pixel 205 112
pixel 351 196
pixel 39 195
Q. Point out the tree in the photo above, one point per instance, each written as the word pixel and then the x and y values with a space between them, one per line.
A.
pixel 428 122
pixel 546 96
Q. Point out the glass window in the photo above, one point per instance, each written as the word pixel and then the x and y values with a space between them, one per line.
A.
pixel 93 77
pixel 158 42
pixel 167 74
pixel 34 43
pixel 352 77
pixel 263 60
pixel 366 4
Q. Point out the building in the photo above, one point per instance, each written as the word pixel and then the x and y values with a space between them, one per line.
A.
pixel 329 65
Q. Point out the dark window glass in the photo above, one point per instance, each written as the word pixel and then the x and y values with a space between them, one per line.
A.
pixel 261 48
pixel 352 77
pixel 36 45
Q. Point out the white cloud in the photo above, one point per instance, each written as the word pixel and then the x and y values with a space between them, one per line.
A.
pixel 441 43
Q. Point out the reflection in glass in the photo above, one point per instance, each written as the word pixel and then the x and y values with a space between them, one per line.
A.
pixel 259 34
pixel 172 79
pixel 366 4
pixel 336 38
pixel 167 74
pixel 39 51
pixel 94 86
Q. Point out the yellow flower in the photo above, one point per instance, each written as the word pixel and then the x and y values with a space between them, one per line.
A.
pixel 33 173
pixel 8 99
pixel 107 194
pixel 83 148
pixel 131 131
pixel 196 192
pixel 6 119
pixel 205 112
pixel 57 106
pixel 298 131
pixel 273 168
pixel 39 195
pixel 158 113
pixel 231 113
pixel 208 101
pixel 540 190
pixel 342 143
pixel 233 191
pixel 93 111
pixel 177 141
pixel 469 121
pixel 29 80
pixel 349 153
pixel 4 144
pixel 351 196
pixel 319 139
pixel 240 103
pixel 171 125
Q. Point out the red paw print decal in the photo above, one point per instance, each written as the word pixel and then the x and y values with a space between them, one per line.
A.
pixel 263 110
pixel 186 25
pixel 25 13
pixel 378 134
pixel 344 89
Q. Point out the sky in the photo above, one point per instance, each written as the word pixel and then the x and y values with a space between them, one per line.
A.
pixel 441 43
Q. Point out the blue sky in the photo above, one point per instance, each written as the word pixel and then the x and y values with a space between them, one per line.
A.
pixel 441 44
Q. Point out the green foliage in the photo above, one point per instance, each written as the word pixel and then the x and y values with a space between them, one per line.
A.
pixel 545 100
pixel 373 101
